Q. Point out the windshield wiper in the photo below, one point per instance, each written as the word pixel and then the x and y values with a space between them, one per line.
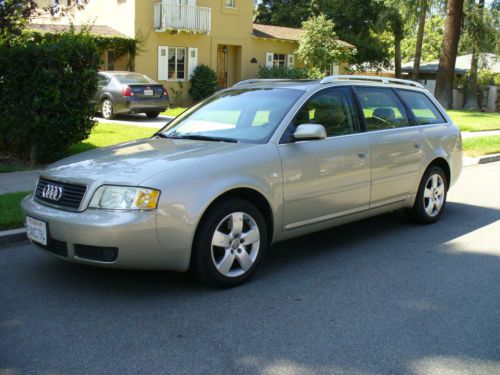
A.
pixel 199 137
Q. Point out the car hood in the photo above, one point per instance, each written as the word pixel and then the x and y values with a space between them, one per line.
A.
pixel 134 162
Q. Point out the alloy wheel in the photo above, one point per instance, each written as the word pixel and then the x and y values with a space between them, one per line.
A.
pixel 434 193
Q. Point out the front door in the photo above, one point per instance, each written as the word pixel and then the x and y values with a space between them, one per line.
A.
pixel 329 178
pixel 222 57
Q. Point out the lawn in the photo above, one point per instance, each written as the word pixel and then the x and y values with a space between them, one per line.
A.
pixel 481 145
pixel 109 134
pixel 475 121
pixel 10 210
pixel 11 168
pixel 175 111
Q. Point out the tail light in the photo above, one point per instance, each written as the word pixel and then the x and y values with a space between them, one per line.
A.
pixel 165 92
pixel 127 91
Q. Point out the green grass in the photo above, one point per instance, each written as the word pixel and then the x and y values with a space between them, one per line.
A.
pixel 475 121
pixel 175 111
pixel 481 145
pixel 10 210
pixel 12 168
pixel 110 134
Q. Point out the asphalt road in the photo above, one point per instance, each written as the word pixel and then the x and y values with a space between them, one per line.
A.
pixel 381 296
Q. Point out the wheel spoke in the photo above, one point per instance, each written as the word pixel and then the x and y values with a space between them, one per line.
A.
pixel 221 239
pixel 244 259
pixel 430 207
pixel 237 223
pixel 428 193
pixel 434 181
pixel 440 189
pixel 251 236
pixel 225 264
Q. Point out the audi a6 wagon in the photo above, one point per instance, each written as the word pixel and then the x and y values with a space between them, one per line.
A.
pixel 261 162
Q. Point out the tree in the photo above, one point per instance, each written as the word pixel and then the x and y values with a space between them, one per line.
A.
pixel 448 57
pixel 431 43
pixel 318 46
pixel 391 18
pixel 420 38
pixel 354 20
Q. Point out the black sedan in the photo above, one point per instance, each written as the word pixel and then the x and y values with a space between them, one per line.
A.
pixel 128 92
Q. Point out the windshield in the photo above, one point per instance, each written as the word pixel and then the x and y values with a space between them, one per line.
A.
pixel 242 115
pixel 131 78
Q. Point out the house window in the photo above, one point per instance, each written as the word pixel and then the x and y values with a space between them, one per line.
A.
pixel 230 3
pixel 332 69
pixel 279 59
pixel 176 63
pixel 111 60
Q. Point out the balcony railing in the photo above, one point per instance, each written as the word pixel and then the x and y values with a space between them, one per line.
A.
pixel 191 18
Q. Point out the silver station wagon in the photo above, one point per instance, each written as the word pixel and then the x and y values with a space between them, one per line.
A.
pixel 261 162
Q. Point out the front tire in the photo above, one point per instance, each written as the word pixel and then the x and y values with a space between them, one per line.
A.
pixel 107 109
pixel 431 197
pixel 229 244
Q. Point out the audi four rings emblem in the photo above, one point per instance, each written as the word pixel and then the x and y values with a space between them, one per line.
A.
pixel 52 192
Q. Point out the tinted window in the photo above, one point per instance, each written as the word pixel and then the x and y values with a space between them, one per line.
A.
pixel 381 108
pixel 131 78
pixel 424 111
pixel 102 80
pixel 331 108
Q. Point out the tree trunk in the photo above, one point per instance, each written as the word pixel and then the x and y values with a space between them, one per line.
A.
pixel 420 39
pixel 397 55
pixel 471 99
pixel 448 57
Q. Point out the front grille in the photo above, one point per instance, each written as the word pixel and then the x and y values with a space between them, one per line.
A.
pixel 101 254
pixel 57 247
pixel 71 198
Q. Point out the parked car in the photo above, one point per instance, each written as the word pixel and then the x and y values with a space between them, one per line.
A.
pixel 128 92
pixel 258 163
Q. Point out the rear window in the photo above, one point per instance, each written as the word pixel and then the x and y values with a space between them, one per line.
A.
pixel 422 108
pixel 131 78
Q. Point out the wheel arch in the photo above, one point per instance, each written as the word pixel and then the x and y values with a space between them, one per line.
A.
pixel 443 164
pixel 252 196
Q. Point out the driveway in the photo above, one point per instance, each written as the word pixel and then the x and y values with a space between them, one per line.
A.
pixel 381 296
pixel 137 120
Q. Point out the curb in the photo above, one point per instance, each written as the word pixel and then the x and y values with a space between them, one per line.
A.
pixel 9 237
pixel 481 160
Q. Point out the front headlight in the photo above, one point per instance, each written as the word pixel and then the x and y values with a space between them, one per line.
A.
pixel 125 198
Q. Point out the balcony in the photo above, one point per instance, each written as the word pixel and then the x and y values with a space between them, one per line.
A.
pixel 190 18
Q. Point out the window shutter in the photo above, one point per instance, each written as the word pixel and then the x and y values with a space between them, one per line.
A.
pixel 192 61
pixel 162 63
pixel 335 69
pixel 269 59
pixel 290 60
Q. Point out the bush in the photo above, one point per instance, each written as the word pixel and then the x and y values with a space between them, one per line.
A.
pixel 287 73
pixel 45 91
pixel 203 83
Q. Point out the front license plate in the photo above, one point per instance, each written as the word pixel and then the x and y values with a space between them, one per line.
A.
pixel 148 92
pixel 36 230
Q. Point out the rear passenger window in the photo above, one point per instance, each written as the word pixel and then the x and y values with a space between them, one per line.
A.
pixel 332 108
pixel 381 108
pixel 422 108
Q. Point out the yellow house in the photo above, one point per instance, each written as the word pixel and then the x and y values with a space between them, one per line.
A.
pixel 177 35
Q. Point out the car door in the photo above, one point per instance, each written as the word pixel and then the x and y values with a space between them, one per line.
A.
pixel 327 178
pixel 395 147
pixel 102 82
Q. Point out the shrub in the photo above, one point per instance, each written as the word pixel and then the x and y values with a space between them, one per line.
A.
pixel 286 73
pixel 203 83
pixel 45 92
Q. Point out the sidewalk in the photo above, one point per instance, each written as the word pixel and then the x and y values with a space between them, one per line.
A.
pixel 18 181
pixel 486 133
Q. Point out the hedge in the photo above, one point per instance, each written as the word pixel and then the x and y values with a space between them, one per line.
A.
pixel 203 83
pixel 45 91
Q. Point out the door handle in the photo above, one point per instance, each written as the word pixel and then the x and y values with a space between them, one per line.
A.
pixel 362 154
pixel 417 145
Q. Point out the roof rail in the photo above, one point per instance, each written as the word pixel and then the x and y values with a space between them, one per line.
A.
pixel 385 80
pixel 264 80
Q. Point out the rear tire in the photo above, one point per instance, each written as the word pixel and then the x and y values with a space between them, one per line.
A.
pixel 152 114
pixel 107 109
pixel 229 244
pixel 431 197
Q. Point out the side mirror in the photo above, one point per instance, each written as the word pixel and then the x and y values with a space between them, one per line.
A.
pixel 309 132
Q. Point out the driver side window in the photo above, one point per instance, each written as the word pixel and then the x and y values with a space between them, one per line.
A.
pixel 332 108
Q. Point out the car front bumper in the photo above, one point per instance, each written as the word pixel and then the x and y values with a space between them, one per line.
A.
pixel 132 233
